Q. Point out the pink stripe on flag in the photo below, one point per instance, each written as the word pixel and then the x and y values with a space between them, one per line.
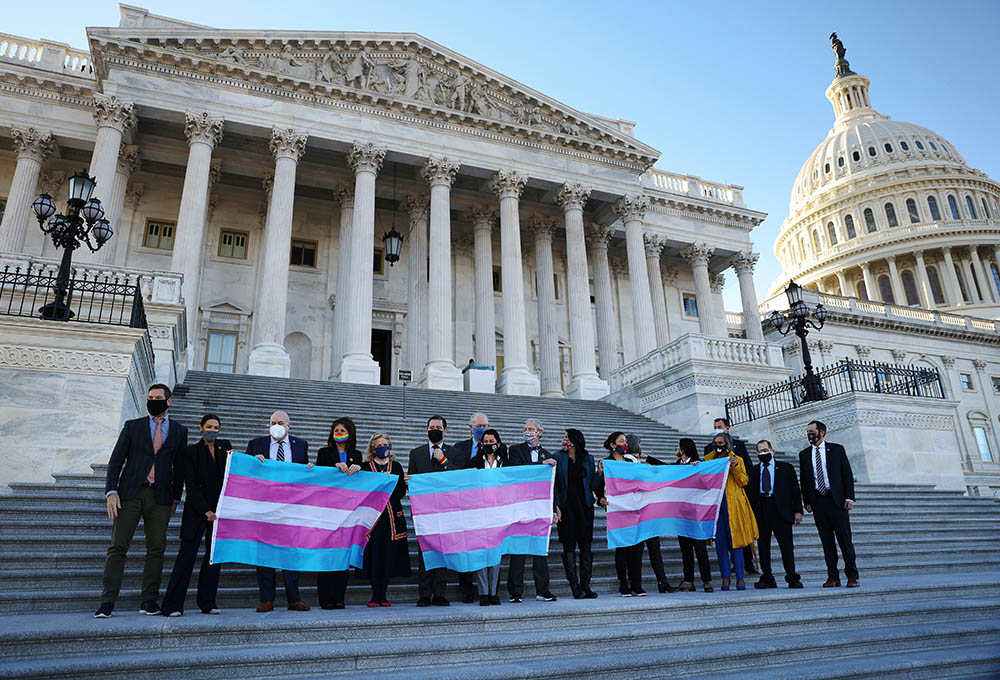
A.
pixel 618 519
pixel 618 486
pixel 313 495
pixel 485 497
pixel 290 536
pixel 482 539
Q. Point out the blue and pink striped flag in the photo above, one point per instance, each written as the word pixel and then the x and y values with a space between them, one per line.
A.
pixel 468 519
pixel 286 516
pixel 645 501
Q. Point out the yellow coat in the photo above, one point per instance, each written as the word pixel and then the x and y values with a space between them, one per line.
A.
pixel 742 523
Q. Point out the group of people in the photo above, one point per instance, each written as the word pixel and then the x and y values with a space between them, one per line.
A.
pixel 152 463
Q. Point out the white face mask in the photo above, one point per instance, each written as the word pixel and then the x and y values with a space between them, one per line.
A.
pixel 277 432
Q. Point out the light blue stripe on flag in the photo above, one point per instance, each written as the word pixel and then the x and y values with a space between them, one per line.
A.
pixel 480 559
pixel 464 480
pixel 663 526
pixel 282 557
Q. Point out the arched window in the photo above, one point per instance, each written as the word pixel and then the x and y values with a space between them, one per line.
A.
pixel 849 223
pixel 885 289
pixel 932 204
pixel 862 291
pixel 933 145
pixel 986 209
pixel 870 220
pixel 961 284
pixel 971 206
pixel 890 215
pixel 910 288
pixel 826 167
pixel 932 278
pixel 919 144
pixel 944 148
pixel 953 206
pixel 856 156
pixel 832 233
pixel 904 146
pixel 888 147
pixel 911 209
pixel 995 275
pixel 840 162
pixel 871 150
pixel 816 242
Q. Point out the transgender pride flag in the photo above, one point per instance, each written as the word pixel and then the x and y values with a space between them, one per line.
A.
pixel 645 501
pixel 468 519
pixel 286 516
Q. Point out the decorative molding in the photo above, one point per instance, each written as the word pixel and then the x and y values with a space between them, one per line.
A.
pixel 853 417
pixel 573 196
pixel 508 183
pixel 32 143
pixel 440 171
pixel 898 355
pixel 482 217
pixel 129 159
pixel 745 261
pixel 697 253
pixel 205 128
pixel 110 111
pixel 51 181
pixel 654 245
pixel 418 207
pixel 133 193
pixel 670 275
pixel 599 235
pixel 65 361
pixel 543 226
pixel 979 364
pixel 864 351
pixel 631 207
pixel 288 143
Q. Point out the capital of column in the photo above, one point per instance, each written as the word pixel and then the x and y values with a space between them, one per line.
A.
pixel 482 217
pixel 267 183
pixel 745 261
pixel 203 128
pixel 440 171
pixel 864 266
pixel 599 235
pixel 128 159
pixel 670 275
pixel 508 183
pixel 979 365
pixel 654 244
pixel 619 267
pixel 948 361
pixel 288 143
pixel 344 194
pixel 51 182
pixel 891 259
pixel 214 173
pixel 543 226
pixel 718 282
pixel 632 207
pixel 572 196
pixel 133 193
pixel 698 253
pixel 32 143
pixel 110 111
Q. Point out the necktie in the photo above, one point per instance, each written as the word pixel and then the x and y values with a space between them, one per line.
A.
pixel 765 480
pixel 820 479
pixel 281 451
pixel 157 445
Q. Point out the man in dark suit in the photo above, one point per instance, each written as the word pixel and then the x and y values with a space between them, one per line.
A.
pixel 467 449
pixel 145 479
pixel 280 446
pixel 828 493
pixel 529 452
pixel 740 449
pixel 773 491
pixel 434 456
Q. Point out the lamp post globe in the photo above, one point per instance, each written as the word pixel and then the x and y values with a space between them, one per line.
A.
pixel 43 207
pixel 393 242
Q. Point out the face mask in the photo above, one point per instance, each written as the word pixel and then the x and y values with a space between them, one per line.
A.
pixel 156 406
pixel 622 449
pixel 435 436
pixel 718 431
pixel 530 438
pixel 489 448
pixel 277 432
pixel 209 435
pixel 565 442
pixel 764 457
pixel 720 448
pixel 477 433
pixel 813 437
pixel 382 451
pixel 341 437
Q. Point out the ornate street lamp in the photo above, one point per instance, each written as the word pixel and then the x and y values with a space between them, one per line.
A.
pixel 393 240
pixel 83 223
pixel 797 319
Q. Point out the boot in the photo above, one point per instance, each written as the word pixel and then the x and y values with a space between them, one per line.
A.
pixel 569 566
pixel 586 571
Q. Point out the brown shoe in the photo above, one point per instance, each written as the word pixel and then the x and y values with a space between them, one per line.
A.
pixel 853 583
pixel 832 583
pixel 265 607
pixel 686 587
pixel 299 606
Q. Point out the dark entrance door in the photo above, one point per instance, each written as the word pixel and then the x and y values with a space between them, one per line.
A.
pixel 382 353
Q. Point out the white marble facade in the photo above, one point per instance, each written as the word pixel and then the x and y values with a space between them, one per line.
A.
pixel 292 140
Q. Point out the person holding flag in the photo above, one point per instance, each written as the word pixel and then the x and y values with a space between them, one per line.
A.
pixel 736 526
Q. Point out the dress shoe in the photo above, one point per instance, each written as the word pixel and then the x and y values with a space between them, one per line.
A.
pixel 545 597
pixel 686 587
pixel 709 588
pixel 300 606
pixel 494 599
pixel 639 591
pixel 665 587
pixel 515 599
pixel 440 602
pixel 211 610
pixel 373 604
pixel 150 608
pixel 795 584
pixel 265 607
pixel 763 584
pixel 832 583
pixel 588 594
pixel 853 583
pixel 484 600
pixel 105 611
pixel 424 602
pixel 469 599
pixel 385 604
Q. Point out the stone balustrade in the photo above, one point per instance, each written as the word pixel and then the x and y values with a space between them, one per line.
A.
pixel 46 54
pixel 691 185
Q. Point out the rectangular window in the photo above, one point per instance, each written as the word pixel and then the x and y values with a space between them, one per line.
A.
pixel 303 253
pixel 996 385
pixel 983 443
pixel 233 244
pixel 967 383
pixel 555 285
pixel 378 264
pixel 690 304
pixel 497 280
pixel 221 354
pixel 159 234
pixel 593 296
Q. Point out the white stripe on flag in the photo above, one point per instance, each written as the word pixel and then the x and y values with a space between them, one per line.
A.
pixel 481 518
pixel 296 515
pixel 669 494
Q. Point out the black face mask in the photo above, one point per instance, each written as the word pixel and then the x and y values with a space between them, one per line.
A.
pixel 435 436
pixel 719 448
pixel 764 457
pixel 156 406
pixel 488 448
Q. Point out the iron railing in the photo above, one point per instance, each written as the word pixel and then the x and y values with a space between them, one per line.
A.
pixel 841 378
pixel 91 298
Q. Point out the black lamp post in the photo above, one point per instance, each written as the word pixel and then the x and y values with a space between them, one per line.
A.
pixel 797 319
pixel 393 240
pixel 83 221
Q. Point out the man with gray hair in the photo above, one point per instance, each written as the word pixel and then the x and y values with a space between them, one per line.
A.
pixel 529 452
pixel 465 451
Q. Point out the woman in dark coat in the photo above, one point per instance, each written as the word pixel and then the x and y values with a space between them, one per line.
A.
pixel 386 553
pixel 687 454
pixel 341 452
pixel 628 560
pixel 577 489
pixel 492 454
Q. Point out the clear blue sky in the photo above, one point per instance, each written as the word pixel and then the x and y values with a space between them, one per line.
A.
pixel 729 91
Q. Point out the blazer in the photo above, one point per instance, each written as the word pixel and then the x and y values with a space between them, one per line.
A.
pixel 133 456
pixel 784 489
pixel 329 456
pixel 421 460
pixel 261 446
pixel 591 480
pixel 838 469
pixel 203 478
pixel 520 454
pixel 398 528
pixel 464 449
pixel 479 462
pixel 739 448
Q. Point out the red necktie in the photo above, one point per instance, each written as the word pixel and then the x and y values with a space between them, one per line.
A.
pixel 157 445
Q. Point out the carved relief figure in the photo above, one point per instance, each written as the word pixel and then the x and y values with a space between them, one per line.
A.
pixel 233 54
pixel 357 71
pixel 837 46
pixel 413 77
pixel 456 99
pixel 332 69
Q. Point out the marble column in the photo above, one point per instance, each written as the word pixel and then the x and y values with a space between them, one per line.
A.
pixel 743 263
pixel 114 118
pixel 32 148
pixel 517 377
pixel 598 236
pixel 985 283
pixel 482 219
pixel 871 290
pixel 544 227
pixel 204 132
pixel 418 208
pixel 128 163
pixel 631 209
pixel 344 195
pixel 268 356
pixel 661 324
pixel 720 327
pixel 950 279
pixel 440 372
pixel 923 282
pixel 842 282
pixel 357 365
pixel 996 260
pixel 698 255
pixel 970 282
pixel 894 281
pixel 585 383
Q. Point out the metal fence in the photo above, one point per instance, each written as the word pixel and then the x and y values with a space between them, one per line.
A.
pixel 841 378
pixel 90 298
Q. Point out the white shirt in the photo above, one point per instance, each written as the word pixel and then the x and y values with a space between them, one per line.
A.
pixel 287 449
pixel 495 464
pixel 822 458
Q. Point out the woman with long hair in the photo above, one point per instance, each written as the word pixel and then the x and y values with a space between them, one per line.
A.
pixel 492 454
pixel 736 527
pixel 687 454
pixel 577 489
pixel 628 559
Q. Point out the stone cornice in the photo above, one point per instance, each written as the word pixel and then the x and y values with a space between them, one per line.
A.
pixel 956 332
pixel 48 86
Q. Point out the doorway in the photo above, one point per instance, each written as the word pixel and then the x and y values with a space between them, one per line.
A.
pixel 382 353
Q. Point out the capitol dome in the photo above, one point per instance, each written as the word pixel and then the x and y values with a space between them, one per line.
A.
pixel 890 211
